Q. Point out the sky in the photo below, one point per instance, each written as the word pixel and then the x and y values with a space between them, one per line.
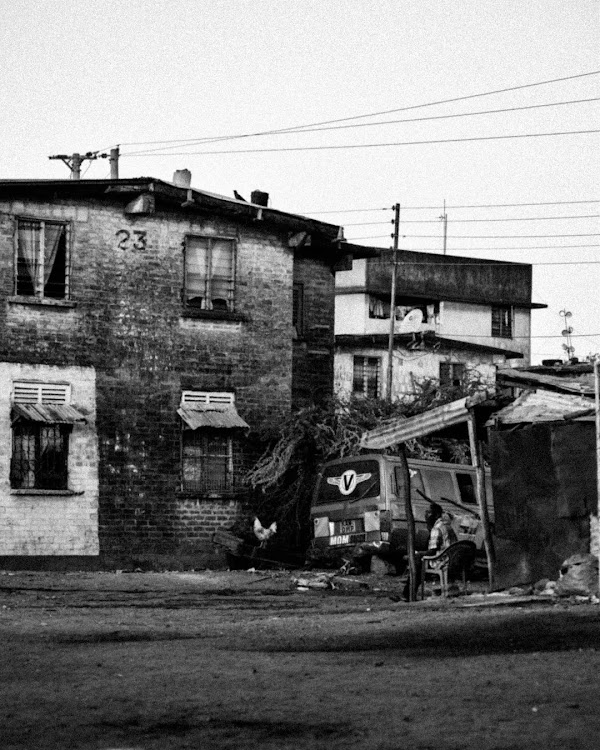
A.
pixel 149 75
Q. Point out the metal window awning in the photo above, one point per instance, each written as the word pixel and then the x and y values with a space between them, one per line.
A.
pixel 48 413
pixel 403 429
pixel 212 417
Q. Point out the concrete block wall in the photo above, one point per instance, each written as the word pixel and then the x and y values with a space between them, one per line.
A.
pixel 409 366
pixel 126 319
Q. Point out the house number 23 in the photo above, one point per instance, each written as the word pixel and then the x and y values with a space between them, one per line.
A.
pixel 135 240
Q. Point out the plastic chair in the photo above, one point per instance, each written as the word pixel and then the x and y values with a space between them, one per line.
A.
pixel 456 560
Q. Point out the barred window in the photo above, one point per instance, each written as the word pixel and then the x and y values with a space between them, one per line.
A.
pixel 367 376
pixel 40 454
pixel 41 262
pixel 502 317
pixel 208 462
pixel 210 273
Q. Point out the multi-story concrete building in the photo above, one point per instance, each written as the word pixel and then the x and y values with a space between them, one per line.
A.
pixel 148 332
pixel 455 318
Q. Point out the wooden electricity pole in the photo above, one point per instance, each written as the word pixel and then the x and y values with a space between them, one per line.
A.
pixel 390 364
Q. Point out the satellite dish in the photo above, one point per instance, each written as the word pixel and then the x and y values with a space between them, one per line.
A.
pixel 411 322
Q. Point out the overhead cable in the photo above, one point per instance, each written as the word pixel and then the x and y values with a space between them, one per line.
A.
pixel 371 114
pixel 365 145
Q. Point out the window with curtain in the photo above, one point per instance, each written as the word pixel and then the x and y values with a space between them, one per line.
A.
pixel 210 273
pixel 366 376
pixel 502 317
pixel 41 268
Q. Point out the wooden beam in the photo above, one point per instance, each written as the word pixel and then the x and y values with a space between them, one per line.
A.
pixel 477 461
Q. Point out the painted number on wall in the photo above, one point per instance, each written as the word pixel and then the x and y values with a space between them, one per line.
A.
pixel 127 240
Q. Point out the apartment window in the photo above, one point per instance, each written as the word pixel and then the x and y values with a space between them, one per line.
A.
pixel 502 316
pixel 41 259
pixel 298 309
pixel 378 308
pixel 452 374
pixel 211 455
pixel 42 420
pixel 210 273
pixel 367 376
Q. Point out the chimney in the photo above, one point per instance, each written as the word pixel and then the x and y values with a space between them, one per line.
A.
pixel 259 198
pixel 182 178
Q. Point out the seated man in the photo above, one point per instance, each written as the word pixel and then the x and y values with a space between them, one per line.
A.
pixel 441 535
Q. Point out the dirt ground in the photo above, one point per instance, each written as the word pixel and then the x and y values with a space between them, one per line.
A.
pixel 159 661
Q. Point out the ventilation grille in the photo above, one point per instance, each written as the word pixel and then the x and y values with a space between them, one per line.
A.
pixel 207 398
pixel 41 393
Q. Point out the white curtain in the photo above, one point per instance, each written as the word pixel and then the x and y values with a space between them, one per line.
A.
pixel 28 242
pixel 52 236
pixel 221 272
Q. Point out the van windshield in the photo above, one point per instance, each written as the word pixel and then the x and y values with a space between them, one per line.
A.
pixel 349 482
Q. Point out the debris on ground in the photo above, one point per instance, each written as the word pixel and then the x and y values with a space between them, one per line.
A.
pixel 578 576
pixel 325 580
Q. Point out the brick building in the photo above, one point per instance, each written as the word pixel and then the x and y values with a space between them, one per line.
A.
pixel 148 331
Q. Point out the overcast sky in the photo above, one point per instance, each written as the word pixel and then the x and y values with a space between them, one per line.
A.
pixel 91 74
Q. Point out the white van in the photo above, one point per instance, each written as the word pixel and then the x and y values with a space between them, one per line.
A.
pixel 357 503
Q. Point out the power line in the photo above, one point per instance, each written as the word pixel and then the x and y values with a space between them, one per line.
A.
pixel 193 142
pixel 498 236
pixel 466 221
pixel 436 208
pixel 365 145
pixel 493 249
pixel 371 114
pixel 478 236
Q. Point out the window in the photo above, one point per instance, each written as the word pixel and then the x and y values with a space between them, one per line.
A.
pixel 502 321
pixel 41 262
pixel 466 487
pixel 367 376
pixel 40 456
pixel 452 373
pixel 378 308
pixel 210 273
pixel 211 454
pixel 42 420
pixel 298 309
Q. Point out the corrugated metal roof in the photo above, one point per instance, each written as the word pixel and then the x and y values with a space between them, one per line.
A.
pixel 401 430
pixel 544 406
pixel 49 413
pixel 210 416
pixel 583 384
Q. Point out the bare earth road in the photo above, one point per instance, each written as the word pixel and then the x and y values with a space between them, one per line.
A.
pixel 241 660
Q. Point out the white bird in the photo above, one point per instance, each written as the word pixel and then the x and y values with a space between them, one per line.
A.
pixel 262 534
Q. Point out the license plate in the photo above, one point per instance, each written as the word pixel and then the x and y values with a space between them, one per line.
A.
pixel 339 539
pixel 347 527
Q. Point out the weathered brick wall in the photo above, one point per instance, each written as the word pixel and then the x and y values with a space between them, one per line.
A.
pixel 52 523
pixel 313 351
pixel 128 322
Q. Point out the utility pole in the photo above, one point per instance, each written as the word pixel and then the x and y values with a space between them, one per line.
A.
pixel 395 235
pixel 444 218
pixel 74 162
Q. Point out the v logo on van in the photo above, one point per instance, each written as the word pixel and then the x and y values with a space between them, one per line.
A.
pixel 348 480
